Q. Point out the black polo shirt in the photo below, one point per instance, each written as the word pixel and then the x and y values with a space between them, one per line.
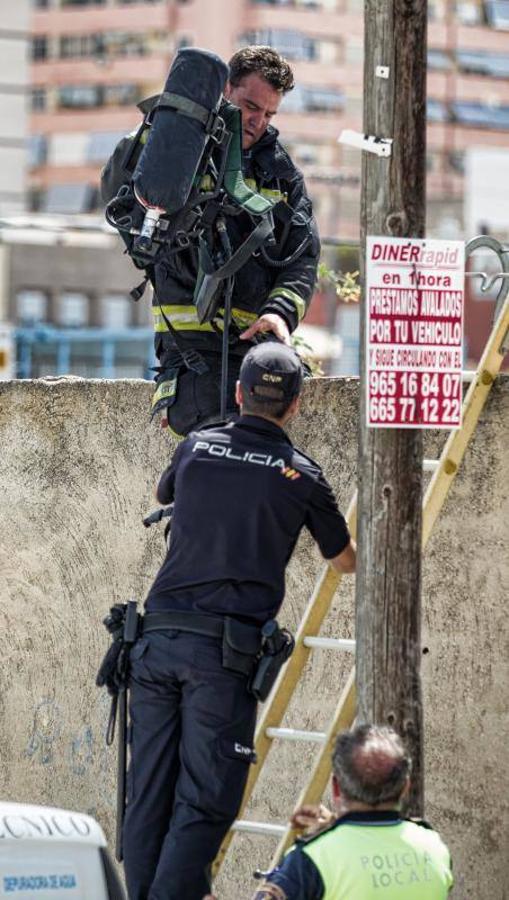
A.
pixel 242 494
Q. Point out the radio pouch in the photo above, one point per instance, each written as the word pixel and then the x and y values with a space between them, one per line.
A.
pixel 241 646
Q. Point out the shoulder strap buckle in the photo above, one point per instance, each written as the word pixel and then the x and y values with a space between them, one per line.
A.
pixel 216 127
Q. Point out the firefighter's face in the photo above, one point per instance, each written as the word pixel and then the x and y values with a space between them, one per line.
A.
pixel 258 102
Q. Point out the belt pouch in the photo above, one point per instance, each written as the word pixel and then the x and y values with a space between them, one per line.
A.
pixel 241 645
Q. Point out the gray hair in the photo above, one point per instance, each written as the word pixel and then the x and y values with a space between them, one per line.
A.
pixel 371 764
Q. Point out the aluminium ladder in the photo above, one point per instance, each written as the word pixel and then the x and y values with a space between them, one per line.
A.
pixel 444 471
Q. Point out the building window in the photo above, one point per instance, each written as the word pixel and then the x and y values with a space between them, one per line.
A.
pixel 122 43
pixel 101 145
pixel 111 44
pixel 83 2
pixel 439 60
pixel 75 46
pixel 480 115
pixel 436 111
pixel 313 99
pixel 479 62
pixel 35 195
pixel 497 14
pixel 456 161
pixel 37 147
pixel 347 326
pixel 306 4
pixel 121 94
pixel 72 310
pixel 38 99
pixel 293 45
pixel 31 307
pixel 306 154
pixel 323 100
pixel 39 47
pixel 69 198
pixel 115 311
pixel 468 13
pixel 74 96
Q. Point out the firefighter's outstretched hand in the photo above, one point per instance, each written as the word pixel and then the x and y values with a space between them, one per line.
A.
pixel 268 322
pixel 311 818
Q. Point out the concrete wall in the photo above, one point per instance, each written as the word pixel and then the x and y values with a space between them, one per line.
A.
pixel 79 460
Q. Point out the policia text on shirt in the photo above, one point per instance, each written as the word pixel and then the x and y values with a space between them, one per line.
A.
pixel 241 495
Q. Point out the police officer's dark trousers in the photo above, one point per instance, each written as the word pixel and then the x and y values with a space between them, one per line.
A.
pixel 192 727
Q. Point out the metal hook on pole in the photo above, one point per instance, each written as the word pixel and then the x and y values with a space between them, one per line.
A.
pixel 486 242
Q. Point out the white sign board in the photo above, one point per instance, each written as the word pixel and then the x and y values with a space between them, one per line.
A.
pixel 414 332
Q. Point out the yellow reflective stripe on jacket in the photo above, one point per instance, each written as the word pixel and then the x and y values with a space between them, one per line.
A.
pixel 165 390
pixel 298 302
pixel 207 183
pixel 184 318
pixel 265 192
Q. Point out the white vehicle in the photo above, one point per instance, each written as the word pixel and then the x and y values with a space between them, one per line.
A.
pixel 53 854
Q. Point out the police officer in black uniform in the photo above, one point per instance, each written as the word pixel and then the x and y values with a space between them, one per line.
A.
pixel 272 290
pixel 241 495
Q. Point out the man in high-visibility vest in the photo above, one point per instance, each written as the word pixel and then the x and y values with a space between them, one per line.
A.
pixel 366 849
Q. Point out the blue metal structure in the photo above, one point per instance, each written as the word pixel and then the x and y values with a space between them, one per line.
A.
pixel 105 343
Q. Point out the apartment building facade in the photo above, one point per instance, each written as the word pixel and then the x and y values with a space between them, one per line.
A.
pixel 15 42
pixel 93 60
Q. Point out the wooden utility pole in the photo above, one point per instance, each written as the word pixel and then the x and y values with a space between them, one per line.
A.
pixel 390 460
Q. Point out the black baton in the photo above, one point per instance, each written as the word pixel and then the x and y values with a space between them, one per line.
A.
pixel 129 637
pixel 121 771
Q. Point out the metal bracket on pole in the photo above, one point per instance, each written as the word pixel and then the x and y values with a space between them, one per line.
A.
pixel 370 142
pixel 486 242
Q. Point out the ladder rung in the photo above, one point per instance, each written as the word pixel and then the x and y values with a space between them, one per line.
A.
pixel 430 465
pixel 293 734
pixel 258 827
pixel 468 375
pixel 330 643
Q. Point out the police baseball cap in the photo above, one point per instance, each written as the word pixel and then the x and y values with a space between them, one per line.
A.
pixel 271 371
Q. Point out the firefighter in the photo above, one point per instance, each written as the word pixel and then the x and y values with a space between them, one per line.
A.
pixel 271 291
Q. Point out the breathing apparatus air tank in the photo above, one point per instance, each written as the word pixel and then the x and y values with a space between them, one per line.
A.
pixel 183 121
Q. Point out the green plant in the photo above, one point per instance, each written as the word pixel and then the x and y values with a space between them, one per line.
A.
pixel 307 353
pixel 346 285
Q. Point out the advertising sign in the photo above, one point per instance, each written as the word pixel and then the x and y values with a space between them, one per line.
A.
pixel 414 332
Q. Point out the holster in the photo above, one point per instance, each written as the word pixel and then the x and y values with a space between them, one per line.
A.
pixel 241 646
pixel 277 647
